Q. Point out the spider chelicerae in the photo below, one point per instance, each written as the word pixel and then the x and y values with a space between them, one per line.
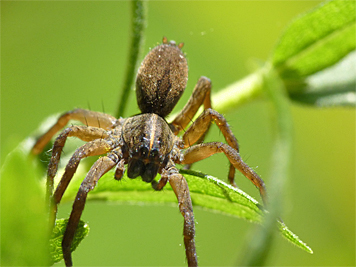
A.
pixel 146 143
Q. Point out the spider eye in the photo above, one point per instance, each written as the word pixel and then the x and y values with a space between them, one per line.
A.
pixel 154 154
pixel 135 168
pixel 150 172
pixel 143 152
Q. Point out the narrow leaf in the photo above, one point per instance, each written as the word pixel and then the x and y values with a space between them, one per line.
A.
pixel 293 238
pixel 55 242
pixel 316 40
pixel 334 86
pixel 206 191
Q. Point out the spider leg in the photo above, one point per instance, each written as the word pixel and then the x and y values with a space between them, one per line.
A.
pixel 82 132
pixel 180 188
pixel 93 148
pixel 200 95
pixel 87 117
pixel 199 128
pixel 202 151
pixel 100 167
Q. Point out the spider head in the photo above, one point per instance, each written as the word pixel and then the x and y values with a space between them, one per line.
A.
pixel 149 141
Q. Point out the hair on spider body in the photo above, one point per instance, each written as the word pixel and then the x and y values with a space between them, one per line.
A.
pixel 161 79
pixel 149 140
pixel 146 143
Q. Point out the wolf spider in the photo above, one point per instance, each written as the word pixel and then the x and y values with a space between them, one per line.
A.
pixel 146 143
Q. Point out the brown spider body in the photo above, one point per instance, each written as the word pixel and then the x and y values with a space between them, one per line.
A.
pixel 145 143
pixel 161 79
pixel 149 142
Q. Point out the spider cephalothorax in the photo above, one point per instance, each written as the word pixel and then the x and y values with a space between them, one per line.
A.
pixel 149 141
pixel 145 143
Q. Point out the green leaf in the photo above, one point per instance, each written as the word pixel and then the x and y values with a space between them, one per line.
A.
pixel 316 40
pixel 293 238
pixel 315 56
pixel 332 86
pixel 206 191
pixel 55 242
pixel 24 224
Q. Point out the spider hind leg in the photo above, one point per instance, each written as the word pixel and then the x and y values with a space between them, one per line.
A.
pixel 202 151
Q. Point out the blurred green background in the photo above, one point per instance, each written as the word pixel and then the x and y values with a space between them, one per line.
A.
pixel 59 55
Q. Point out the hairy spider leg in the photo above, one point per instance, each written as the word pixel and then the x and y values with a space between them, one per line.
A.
pixel 180 188
pixel 202 151
pixel 200 96
pixel 85 133
pixel 203 122
pixel 92 148
pixel 87 117
pixel 100 167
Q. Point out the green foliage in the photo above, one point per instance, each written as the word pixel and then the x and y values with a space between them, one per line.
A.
pixel 55 242
pixel 206 191
pixel 24 224
pixel 312 43
pixel 315 58
pixel 315 41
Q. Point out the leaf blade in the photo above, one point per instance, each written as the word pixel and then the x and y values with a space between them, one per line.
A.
pixel 55 242
pixel 334 86
pixel 206 192
pixel 23 213
pixel 308 44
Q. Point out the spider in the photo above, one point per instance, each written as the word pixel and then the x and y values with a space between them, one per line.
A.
pixel 145 143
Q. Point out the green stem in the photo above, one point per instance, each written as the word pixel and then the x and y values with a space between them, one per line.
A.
pixel 234 95
pixel 238 93
pixel 136 44
pixel 259 246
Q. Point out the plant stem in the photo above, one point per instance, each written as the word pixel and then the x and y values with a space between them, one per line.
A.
pixel 136 44
pixel 234 95
pixel 260 244
pixel 238 93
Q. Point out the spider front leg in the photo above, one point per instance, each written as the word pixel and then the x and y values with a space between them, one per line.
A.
pixel 82 132
pixel 93 148
pixel 180 188
pixel 87 117
pixel 202 151
pixel 199 128
pixel 100 167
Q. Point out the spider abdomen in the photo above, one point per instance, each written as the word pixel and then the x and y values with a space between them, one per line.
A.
pixel 161 79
